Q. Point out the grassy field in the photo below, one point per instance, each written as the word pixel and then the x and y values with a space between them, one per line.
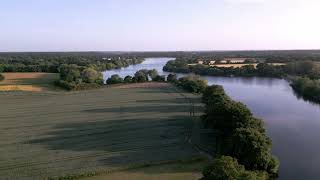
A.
pixel 175 171
pixel 57 134
pixel 35 82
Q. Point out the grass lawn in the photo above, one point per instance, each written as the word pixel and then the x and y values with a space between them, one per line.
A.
pixel 35 82
pixel 57 134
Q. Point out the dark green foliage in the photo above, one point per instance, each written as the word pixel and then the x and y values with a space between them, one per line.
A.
pixel 193 84
pixel 69 73
pixel 172 78
pixel 141 76
pixel 159 78
pixel 128 79
pixel 296 68
pixel 50 62
pixel 242 136
pixel 307 88
pixel 227 168
pixel 89 75
pixel 73 77
pixel 114 79
pixel 153 74
pixel 1 77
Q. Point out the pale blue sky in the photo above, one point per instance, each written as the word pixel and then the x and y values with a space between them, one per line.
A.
pixel 138 25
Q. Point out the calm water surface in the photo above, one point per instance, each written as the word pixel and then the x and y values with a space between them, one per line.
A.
pixel 292 123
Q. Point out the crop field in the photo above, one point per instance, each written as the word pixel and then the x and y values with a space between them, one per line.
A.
pixel 35 82
pixel 57 134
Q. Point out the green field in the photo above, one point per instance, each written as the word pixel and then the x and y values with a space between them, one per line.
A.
pixel 56 134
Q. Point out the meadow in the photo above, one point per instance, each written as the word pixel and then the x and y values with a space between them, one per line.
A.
pixel 45 134
pixel 35 82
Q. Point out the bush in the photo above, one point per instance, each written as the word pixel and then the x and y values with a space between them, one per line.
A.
pixel 89 75
pixel 159 78
pixel 227 168
pixel 128 79
pixel 141 76
pixel 1 77
pixel 73 86
pixel 172 78
pixel 114 79
pixel 193 84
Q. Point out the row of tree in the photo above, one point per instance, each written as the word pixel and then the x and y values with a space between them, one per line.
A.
pixel 140 76
pixel 51 62
pixel 310 69
pixel 74 77
pixel 241 136
pixel 191 83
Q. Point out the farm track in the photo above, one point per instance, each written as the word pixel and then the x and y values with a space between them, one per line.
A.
pixel 74 133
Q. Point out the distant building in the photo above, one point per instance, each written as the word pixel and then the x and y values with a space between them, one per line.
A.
pixel 212 62
pixel 223 62
pixel 200 62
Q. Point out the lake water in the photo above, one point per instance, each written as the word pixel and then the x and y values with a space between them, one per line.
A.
pixel 292 123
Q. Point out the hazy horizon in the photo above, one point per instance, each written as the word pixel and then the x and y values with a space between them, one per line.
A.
pixel 149 25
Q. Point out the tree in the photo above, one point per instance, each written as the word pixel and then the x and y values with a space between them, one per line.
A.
pixel 153 73
pixel 172 78
pixel 141 76
pixel 89 75
pixel 228 168
pixel 128 79
pixel 159 78
pixel 114 79
pixel 1 77
pixel 69 73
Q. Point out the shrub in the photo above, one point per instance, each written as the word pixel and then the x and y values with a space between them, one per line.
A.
pixel 114 79
pixel 1 77
pixel 89 75
pixel 128 79
pixel 228 168
pixel 159 78
pixel 172 78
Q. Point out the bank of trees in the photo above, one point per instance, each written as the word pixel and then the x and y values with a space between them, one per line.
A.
pixel 228 168
pixel 242 136
pixel 140 76
pixel 307 88
pixel 74 77
pixel 310 69
pixel 50 62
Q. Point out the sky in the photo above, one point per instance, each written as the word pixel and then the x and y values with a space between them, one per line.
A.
pixel 158 25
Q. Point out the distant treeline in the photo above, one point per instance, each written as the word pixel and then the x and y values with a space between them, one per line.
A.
pixel 42 62
pixel 296 68
pixel 241 136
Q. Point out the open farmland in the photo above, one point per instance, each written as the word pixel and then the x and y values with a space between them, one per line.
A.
pixel 35 82
pixel 56 134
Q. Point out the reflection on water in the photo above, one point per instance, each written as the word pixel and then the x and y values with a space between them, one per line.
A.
pixel 292 123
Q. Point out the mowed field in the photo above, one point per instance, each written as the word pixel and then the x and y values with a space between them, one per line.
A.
pixel 35 82
pixel 57 134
